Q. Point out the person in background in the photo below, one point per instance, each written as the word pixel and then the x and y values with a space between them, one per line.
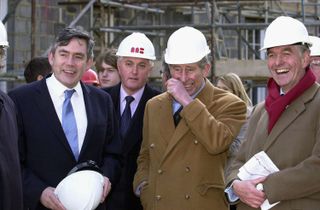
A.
pixel 285 126
pixel 165 75
pixel 106 65
pixel 187 131
pixel 134 67
pixel 90 77
pixel 36 69
pixel 315 57
pixel 63 122
pixel 232 83
pixel 10 174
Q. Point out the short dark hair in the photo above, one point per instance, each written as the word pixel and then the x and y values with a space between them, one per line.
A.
pixel 109 57
pixel 69 33
pixel 35 67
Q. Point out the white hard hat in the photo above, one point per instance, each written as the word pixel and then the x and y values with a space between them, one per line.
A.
pixel 3 35
pixel 81 190
pixel 136 45
pixel 315 48
pixel 186 45
pixel 285 30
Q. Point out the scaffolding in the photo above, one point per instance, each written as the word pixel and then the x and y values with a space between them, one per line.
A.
pixel 234 29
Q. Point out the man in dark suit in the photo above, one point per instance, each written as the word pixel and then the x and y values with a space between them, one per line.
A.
pixel 10 174
pixel 47 150
pixel 134 68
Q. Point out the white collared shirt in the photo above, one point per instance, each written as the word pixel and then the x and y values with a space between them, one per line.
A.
pixel 134 104
pixel 56 91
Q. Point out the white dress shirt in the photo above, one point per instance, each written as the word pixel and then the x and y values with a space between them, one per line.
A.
pixel 56 91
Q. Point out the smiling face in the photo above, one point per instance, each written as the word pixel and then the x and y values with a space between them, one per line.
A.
pixel 70 62
pixel 134 73
pixel 287 65
pixel 191 75
pixel 315 67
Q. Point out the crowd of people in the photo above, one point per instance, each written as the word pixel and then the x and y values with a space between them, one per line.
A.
pixel 186 147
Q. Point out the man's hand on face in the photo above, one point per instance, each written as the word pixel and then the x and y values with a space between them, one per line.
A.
pixel 178 92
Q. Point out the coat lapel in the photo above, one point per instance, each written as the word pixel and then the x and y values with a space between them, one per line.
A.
pixel 167 128
pixel 90 117
pixel 136 121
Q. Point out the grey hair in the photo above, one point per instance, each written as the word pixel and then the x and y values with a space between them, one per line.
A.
pixel 204 61
pixel 151 62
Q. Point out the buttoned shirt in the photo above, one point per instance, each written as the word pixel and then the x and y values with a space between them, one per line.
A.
pixel 134 104
pixel 56 91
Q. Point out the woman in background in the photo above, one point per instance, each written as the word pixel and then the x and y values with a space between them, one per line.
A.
pixel 233 84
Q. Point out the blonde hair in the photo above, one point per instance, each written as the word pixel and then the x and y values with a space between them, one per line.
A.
pixel 234 83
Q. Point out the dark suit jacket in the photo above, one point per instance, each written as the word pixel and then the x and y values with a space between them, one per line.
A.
pixel 122 196
pixel 45 153
pixel 10 174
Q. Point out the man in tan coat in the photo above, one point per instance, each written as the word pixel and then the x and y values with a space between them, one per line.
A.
pixel 286 127
pixel 181 162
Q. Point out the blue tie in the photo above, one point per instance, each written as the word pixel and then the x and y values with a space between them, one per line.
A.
pixel 126 116
pixel 69 124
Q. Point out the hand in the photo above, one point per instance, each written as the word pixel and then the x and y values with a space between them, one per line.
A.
pixel 50 200
pixel 106 188
pixel 247 192
pixel 178 92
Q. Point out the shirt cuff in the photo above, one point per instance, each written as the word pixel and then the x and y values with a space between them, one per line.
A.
pixel 231 196
pixel 137 192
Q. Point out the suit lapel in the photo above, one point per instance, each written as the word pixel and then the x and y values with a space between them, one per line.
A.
pixel 136 121
pixel 90 117
pixel 46 107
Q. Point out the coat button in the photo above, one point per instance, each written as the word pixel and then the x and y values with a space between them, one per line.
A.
pixel 187 197
pixel 158 197
pixel 187 169
pixel 195 142
pixel 152 145
pixel 160 171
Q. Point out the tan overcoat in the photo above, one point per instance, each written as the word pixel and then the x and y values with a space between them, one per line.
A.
pixel 184 166
pixel 294 146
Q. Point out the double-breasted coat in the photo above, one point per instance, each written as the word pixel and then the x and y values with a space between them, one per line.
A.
pixel 184 166
pixel 294 146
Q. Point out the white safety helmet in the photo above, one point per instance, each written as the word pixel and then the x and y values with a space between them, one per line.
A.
pixel 285 30
pixel 315 48
pixel 186 45
pixel 81 190
pixel 3 36
pixel 136 45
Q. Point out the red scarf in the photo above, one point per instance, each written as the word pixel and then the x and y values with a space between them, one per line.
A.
pixel 276 104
